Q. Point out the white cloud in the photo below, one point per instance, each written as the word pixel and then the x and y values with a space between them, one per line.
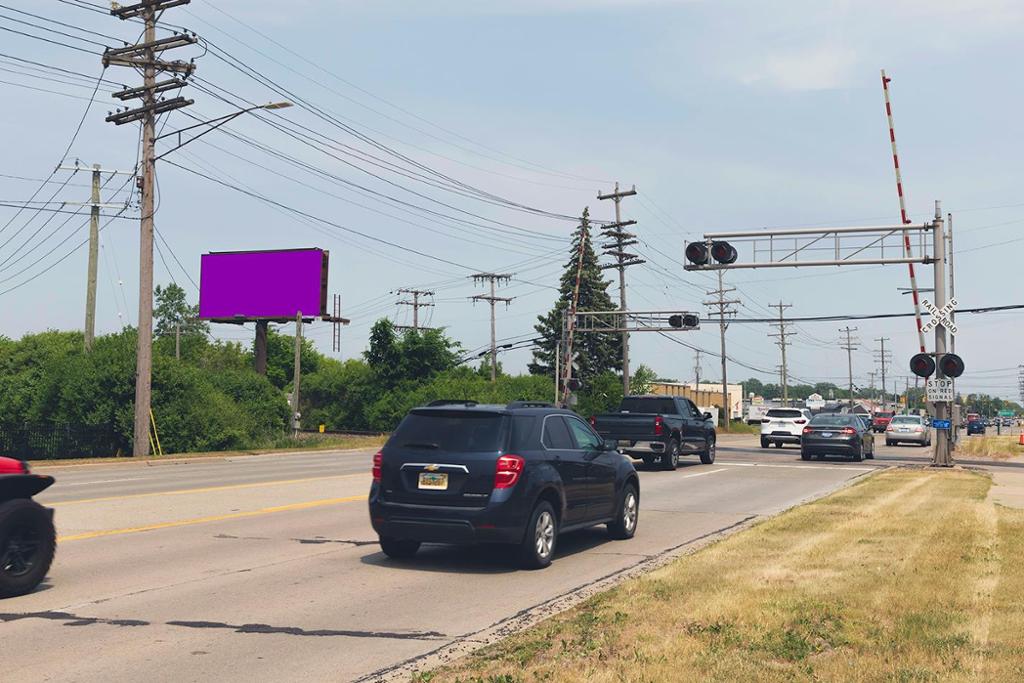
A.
pixel 820 67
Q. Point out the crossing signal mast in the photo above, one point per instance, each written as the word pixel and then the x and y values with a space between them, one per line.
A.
pixel 857 245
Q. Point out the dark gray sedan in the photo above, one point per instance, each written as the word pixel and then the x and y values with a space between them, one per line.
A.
pixel 837 434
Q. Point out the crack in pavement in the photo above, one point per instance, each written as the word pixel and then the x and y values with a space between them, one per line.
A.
pixel 296 631
pixel 71 619
pixel 320 540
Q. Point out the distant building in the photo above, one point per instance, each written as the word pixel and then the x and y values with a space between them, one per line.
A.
pixel 705 394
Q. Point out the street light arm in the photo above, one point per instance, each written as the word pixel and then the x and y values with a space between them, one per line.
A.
pixel 217 123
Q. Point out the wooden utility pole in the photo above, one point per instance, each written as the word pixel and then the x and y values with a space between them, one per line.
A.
pixel 850 345
pixel 883 359
pixel 94 247
pixel 144 56
pixel 416 305
pixel 696 369
pixel 623 259
pixel 782 343
pixel 177 341
pixel 723 312
pixel 492 299
pixel 260 347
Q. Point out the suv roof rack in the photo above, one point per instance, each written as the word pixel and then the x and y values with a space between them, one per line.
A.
pixel 451 402
pixel 529 404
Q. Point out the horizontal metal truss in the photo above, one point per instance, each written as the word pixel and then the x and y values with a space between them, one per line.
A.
pixel 794 247
pixel 631 321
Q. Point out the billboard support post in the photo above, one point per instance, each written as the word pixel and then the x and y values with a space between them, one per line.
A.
pixel 260 348
pixel 298 373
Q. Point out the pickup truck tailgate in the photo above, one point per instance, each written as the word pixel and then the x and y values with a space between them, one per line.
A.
pixel 626 426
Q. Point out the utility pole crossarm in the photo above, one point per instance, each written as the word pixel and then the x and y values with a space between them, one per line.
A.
pixel 492 298
pixel 622 260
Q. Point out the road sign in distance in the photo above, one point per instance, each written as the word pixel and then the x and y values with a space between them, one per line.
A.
pixel 1006 413
pixel 939 390
pixel 922 365
pixel 951 365
pixel 697 252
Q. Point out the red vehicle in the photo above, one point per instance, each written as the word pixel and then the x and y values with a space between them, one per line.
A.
pixel 880 420
pixel 28 539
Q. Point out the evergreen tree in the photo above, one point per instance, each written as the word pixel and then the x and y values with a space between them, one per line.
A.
pixel 598 353
pixel 172 309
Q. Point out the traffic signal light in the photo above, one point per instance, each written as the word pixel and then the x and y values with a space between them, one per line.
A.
pixel 573 384
pixel 683 320
pixel 697 252
pixel 723 252
pixel 922 365
pixel 951 365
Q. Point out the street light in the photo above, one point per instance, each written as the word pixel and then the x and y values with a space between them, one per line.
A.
pixel 218 122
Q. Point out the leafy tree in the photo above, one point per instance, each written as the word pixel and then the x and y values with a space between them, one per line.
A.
pixel 643 379
pixel 598 353
pixel 281 358
pixel 172 309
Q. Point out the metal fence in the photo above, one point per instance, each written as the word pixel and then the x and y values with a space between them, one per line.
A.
pixel 52 441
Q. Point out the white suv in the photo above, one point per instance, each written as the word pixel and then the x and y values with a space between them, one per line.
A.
pixel 783 425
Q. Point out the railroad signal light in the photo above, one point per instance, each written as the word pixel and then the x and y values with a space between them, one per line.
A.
pixel 681 320
pixel 922 365
pixel 697 253
pixel 723 252
pixel 573 384
pixel 951 365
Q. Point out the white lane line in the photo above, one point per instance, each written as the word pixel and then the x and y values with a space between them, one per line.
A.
pixel 101 481
pixel 800 467
pixel 700 474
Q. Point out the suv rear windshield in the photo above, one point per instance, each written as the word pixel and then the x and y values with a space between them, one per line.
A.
pixel 776 412
pixel 456 431
pixel 837 420
pixel 665 406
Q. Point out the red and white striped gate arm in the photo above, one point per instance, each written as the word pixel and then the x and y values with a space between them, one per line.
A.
pixel 903 212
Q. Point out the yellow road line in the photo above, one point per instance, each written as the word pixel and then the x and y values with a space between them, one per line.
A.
pixel 206 489
pixel 212 518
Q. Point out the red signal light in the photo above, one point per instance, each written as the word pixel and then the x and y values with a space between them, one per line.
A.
pixel 951 365
pixel 723 252
pixel 697 252
pixel 922 365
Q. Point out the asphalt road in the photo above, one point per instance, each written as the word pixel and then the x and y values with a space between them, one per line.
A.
pixel 266 568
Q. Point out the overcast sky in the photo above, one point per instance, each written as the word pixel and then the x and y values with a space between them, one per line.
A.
pixel 725 115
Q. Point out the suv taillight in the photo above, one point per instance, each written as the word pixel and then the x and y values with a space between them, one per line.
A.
pixel 507 473
pixel 378 458
pixel 659 425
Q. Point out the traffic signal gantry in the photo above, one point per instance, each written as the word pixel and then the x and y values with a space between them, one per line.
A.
pixel 856 246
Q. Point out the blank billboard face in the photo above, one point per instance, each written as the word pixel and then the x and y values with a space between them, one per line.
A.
pixel 252 285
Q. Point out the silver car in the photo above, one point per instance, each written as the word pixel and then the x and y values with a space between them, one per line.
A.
pixel 908 429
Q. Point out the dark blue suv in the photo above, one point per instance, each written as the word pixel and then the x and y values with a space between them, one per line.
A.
pixel 518 474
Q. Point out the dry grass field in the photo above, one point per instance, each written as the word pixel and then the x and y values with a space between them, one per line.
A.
pixel 909 575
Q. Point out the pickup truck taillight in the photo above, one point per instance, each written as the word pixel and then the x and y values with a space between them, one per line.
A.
pixel 593 421
pixel 378 459
pixel 507 473
pixel 659 425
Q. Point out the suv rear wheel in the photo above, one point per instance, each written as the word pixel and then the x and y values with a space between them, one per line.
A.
pixel 538 546
pixel 398 549
pixel 624 524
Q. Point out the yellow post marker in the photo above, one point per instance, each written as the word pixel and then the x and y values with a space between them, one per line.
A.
pixel 321 429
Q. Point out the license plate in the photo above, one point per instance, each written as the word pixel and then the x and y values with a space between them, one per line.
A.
pixel 437 481
pixel 903 429
pixel 826 434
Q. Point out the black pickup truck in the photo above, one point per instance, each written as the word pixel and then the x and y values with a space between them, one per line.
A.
pixel 659 429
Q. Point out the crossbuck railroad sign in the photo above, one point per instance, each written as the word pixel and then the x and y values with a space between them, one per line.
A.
pixel 939 316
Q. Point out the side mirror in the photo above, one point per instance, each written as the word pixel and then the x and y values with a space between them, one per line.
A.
pixel 707 416
pixel 609 445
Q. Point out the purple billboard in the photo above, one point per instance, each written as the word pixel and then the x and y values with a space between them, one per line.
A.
pixel 263 285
